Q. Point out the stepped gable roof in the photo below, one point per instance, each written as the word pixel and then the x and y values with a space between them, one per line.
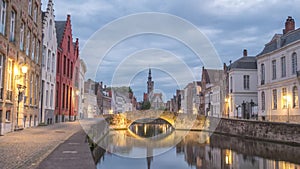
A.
pixel 60 29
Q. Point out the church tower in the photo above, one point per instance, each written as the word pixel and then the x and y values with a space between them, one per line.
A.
pixel 150 83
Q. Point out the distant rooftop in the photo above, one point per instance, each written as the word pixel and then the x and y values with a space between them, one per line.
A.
pixel 278 41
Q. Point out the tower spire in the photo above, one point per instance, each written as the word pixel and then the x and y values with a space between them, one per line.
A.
pixel 150 83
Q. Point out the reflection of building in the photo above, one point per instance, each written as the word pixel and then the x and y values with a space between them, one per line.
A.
pixel 67 72
pixel 90 106
pixel 48 66
pixel 279 76
pixel 20 45
pixel 242 86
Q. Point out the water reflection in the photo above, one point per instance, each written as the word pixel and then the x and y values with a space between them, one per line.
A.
pixel 147 130
pixel 196 150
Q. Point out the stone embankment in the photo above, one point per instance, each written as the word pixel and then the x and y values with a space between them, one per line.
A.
pixel 288 133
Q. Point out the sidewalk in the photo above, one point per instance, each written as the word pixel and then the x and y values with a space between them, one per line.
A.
pixel 28 148
pixel 73 153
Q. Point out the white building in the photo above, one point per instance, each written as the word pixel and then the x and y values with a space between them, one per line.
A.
pixel 120 100
pixel 48 66
pixel 156 101
pixel 242 87
pixel 279 76
pixel 90 107
pixel 82 71
pixel 191 100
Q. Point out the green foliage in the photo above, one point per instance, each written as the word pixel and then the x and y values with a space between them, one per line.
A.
pixel 146 105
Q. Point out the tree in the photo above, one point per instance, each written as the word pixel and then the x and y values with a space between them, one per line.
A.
pixel 146 105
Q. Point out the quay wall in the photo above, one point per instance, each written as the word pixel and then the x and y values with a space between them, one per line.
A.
pixel 262 130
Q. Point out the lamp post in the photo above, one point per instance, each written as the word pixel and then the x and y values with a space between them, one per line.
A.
pixel 21 89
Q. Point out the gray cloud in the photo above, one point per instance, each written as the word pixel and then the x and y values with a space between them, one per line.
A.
pixel 230 25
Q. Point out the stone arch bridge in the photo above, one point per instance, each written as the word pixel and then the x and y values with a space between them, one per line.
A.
pixel 178 121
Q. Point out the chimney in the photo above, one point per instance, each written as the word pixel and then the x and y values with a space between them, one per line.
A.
pixel 289 25
pixel 245 53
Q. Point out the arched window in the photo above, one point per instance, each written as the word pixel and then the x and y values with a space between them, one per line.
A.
pixel 50 30
pixel 295 97
pixel 263 101
pixel 294 63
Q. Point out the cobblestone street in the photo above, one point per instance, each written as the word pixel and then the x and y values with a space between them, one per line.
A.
pixel 27 148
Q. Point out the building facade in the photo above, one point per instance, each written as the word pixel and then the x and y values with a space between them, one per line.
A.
pixel 49 51
pixel 66 102
pixel 80 93
pixel 104 98
pixel 20 62
pixel 212 93
pixel 279 76
pixel 90 105
pixel 242 88
pixel 191 99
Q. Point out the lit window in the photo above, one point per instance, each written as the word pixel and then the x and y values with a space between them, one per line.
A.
pixel 284 98
pixel 9 79
pixel 295 97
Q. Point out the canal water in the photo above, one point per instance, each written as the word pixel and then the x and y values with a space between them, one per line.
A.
pixel 158 146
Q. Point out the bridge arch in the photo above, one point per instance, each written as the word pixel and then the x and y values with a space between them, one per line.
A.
pixel 144 120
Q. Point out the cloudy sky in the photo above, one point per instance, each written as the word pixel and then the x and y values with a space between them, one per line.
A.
pixel 229 25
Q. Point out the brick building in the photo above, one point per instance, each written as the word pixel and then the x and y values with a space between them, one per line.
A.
pixel 20 62
pixel 67 70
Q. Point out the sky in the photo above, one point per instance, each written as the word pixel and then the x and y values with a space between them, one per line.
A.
pixel 229 26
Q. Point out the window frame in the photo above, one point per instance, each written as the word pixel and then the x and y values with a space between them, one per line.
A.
pixel 294 63
pixel 12 29
pixel 274 70
pixel 3 13
pixel 283 66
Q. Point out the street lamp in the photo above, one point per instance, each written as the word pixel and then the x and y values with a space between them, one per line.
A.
pixel 21 89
